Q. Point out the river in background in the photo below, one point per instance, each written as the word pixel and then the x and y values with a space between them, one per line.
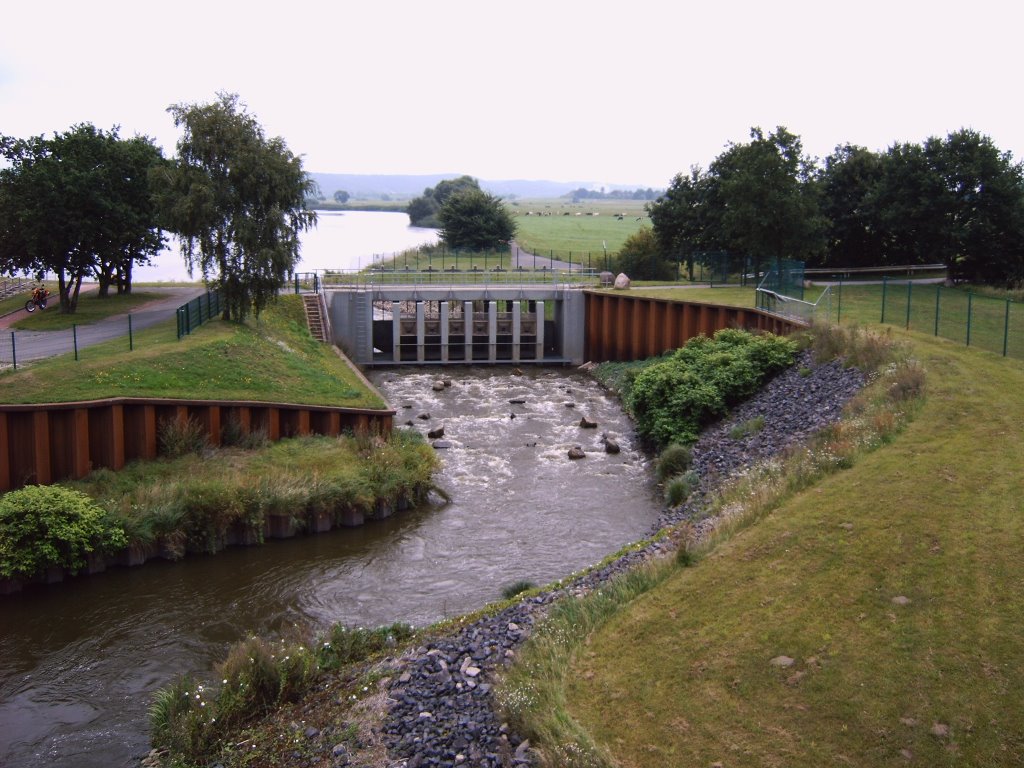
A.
pixel 80 661
pixel 340 240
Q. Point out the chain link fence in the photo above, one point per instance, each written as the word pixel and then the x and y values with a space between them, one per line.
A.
pixel 993 324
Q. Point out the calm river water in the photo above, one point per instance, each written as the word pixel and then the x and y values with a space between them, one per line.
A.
pixel 80 660
pixel 340 240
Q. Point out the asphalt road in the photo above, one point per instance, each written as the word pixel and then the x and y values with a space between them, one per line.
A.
pixel 25 346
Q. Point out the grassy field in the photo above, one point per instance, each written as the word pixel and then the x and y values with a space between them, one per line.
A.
pixel 270 359
pixel 894 586
pixel 559 227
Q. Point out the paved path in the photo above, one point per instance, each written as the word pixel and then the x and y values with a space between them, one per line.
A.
pixel 35 345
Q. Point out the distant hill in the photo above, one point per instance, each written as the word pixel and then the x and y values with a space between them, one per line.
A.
pixel 396 187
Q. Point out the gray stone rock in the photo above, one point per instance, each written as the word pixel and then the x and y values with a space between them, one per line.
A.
pixel 621 282
pixel 577 453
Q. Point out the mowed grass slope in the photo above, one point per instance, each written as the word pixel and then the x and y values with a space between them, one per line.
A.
pixel 272 359
pixel 897 587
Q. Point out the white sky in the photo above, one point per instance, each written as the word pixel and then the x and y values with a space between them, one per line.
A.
pixel 628 92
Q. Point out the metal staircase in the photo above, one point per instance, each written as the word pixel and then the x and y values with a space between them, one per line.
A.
pixel 315 316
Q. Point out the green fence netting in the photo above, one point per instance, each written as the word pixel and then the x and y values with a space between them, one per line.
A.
pixel 993 324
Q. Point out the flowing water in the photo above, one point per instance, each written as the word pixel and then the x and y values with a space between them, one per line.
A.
pixel 79 661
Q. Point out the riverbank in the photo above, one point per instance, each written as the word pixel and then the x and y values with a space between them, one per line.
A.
pixel 435 705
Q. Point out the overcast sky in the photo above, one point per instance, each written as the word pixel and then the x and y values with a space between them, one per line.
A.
pixel 629 92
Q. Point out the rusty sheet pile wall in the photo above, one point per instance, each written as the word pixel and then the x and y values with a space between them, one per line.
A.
pixel 620 327
pixel 42 444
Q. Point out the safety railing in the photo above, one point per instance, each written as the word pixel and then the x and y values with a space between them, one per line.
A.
pixel 196 312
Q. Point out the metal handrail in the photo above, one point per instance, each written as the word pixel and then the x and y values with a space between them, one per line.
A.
pixel 515 277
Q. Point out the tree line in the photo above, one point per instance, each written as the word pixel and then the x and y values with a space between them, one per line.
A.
pixel 957 201
pixel 87 203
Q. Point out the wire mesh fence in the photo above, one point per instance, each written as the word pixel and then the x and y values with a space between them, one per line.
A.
pixel 194 313
pixel 993 324
pixel 19 347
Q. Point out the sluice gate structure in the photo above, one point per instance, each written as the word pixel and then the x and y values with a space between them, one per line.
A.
pixel 443 319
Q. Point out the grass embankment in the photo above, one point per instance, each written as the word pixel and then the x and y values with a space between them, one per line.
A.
pixel 195 498
pixel 271 359
pixel 894 586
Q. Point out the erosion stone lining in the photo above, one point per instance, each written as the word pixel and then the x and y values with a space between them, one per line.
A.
pixel 442 712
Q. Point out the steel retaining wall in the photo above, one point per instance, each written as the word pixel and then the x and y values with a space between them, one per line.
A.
pixel 620 327
pixel 46 443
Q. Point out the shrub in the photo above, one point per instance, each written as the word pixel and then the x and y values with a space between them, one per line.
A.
pixel 748 427
pixel 907 381
pixel 675 397
pixel 345 645
pixel 679 488
pixel 179 437
pixel 516 588
pixel 674 460
pixel 232 435
pixel 45 526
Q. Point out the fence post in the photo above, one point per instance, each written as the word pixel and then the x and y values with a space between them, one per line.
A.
pixel 910 286
pixel 938 294
pixel 74 339
pixel 970 303
pixel 14 353
pixel 1006 328
pixel 885 285
pixel 839 308
pixel 131 341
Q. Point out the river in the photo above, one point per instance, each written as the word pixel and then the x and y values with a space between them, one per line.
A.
pixel 340 240
pixel 79 661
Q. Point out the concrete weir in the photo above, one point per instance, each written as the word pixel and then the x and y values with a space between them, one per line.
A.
pixel 458 324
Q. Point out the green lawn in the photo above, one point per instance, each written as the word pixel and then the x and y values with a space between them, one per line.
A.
pixel 561 233
pixel 683 675
pixel 270 359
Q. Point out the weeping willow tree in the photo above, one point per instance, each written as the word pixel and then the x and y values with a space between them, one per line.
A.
pixel 236 201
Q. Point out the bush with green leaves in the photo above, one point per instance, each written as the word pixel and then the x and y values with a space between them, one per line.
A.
pixel 47 526
pixel 674 460
pixel 674 398
pixel 679 488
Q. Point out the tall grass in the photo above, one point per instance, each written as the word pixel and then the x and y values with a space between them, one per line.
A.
pixel 194 721
pixel 194 503
pixel 531 694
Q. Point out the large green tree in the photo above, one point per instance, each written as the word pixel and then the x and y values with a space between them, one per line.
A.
pixel 77 205
pixel 642 258
pixel 425 210
pixel 846 183
pixel 758 199
pixel 985 209
pixel 476 221
pixel 767 202
pixel 685 220
pixel 236 200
